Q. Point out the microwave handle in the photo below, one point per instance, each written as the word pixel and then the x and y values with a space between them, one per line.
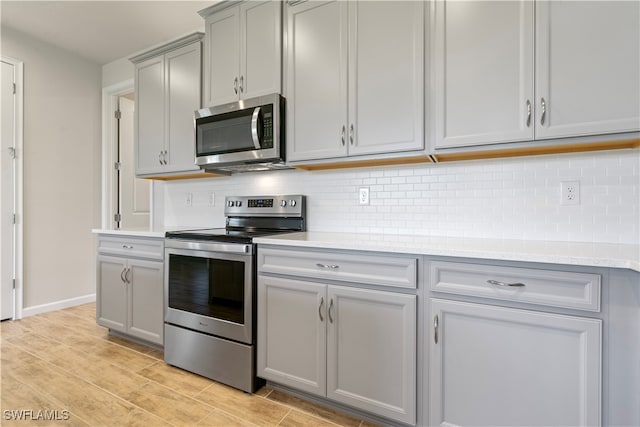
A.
pixel 254 128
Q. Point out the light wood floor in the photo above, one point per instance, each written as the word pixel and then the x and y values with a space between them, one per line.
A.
pixel 66 366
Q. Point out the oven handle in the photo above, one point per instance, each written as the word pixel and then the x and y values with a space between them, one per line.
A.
pixel 232 248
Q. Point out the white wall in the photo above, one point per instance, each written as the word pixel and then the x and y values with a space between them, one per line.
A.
pixel 62 96
pixel 516 198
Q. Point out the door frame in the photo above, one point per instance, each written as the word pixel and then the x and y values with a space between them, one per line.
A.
pixel 110 95
pixel 18 185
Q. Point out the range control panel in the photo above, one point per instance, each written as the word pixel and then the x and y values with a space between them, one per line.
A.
pixel 284 205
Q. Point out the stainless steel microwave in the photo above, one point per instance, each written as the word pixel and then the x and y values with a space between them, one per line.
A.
pixel 241 136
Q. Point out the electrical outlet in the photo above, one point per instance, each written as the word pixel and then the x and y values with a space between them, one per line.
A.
pixel 212 199
pixel 189 199
pixel 570 193
pixel 363 195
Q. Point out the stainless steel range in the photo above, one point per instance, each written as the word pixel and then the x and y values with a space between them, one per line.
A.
pixel 210 288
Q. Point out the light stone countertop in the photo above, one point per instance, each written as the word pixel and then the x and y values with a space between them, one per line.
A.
pixel 141 232
pixel 568 253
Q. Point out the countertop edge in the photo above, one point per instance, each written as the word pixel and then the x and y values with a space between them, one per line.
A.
pixel 563 253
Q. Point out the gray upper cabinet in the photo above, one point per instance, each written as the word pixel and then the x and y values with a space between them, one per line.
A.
pixel 510 71
pixel 167 92
pixel 355 73
pixel 243 51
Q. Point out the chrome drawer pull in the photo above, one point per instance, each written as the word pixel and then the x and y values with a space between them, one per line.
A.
pixel 328 266
pixel 435 329
pixel 329 311
pixel 127 247
pixel 514 285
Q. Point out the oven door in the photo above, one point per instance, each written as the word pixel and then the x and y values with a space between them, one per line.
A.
pixel 209 288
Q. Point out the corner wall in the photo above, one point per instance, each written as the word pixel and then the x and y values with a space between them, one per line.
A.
pixel 62 101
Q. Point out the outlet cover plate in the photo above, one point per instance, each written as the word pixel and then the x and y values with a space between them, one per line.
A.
pixel 363 196
pixel 570 192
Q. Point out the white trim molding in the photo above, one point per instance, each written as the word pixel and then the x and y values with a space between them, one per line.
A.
pixel 18 177
pixel 58 305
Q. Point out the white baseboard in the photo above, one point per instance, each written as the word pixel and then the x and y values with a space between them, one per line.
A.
pixel 58 305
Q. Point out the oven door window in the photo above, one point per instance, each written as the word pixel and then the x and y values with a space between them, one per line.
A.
pixel 210 287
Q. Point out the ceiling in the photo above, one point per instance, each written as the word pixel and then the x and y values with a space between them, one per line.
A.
pixel 103 31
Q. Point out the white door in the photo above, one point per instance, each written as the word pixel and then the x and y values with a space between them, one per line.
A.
pixel 222 44
pixel 386 78
pixel 495 366
pixel 261 45
pixel 587 67
pixel 150 130
pixel 182 79
pixel 292 333
pixel 483 72
pixel 134 192
pixel 7 183
pixel 371 351
pixel 317 80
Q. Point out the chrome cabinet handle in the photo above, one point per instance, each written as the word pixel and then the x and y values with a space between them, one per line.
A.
pixel 127 247
pixel 126 275
pixel 514 285
pixel 235 85
pixel 164 156
pixel 124 269
pixel 351 131
pixel 528 113
pixel 241 84
pixel 329 311
pixel 160 157
pixel 344 131
pixel 320 309
pixel 328 266
pixel 435 329
pixel 543 104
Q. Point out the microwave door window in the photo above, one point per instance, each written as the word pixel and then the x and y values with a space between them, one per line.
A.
pixel 225 136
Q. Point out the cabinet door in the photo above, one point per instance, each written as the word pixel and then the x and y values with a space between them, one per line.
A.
pixel 146 302
pixel 111 293
pixel 150 115
pixel 183 98
pixel 222 47
pixel 371 351
pixel 506 367
pixel 386 57
pixel 588 67
pixel 483 72
pixel 292 333
pixel 261 48
pixel 317 80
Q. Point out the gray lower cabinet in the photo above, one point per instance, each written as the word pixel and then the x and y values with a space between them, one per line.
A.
pixel 130 288
pixel 351 344
pixel 514 364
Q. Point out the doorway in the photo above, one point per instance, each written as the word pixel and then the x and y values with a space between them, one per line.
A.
pixel 126 200
pixel 132 194
pixel 11 190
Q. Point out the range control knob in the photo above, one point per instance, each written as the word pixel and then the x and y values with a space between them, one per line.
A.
pixel 292 203
pixel 283 203
pixel 231 203
pixel 238 203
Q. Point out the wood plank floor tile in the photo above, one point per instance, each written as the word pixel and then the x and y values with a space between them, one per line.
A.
pixel 244 405
pixel 169 405
pixel 64 361
pixel 312 409
pixel 176 379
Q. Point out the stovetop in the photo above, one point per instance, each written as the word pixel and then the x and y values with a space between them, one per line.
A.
pixel 252 216
pixel 223 235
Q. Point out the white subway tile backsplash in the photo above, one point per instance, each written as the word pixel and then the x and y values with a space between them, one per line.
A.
pixel 516 198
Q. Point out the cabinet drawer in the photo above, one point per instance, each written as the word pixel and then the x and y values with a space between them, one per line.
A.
pixel 132 247
pixel 369 269
pixel 564 289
